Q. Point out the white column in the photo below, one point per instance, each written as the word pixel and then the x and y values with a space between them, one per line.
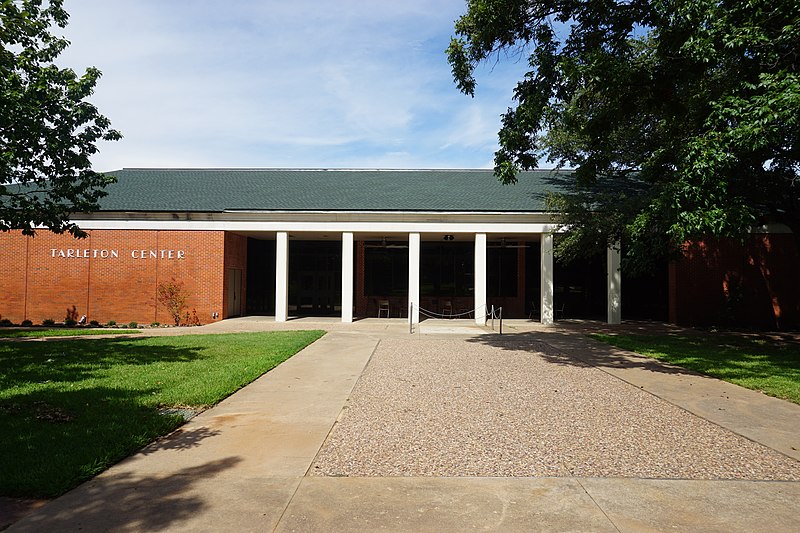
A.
pixel 347 277
pixel 480 279
pixel 413 276
pixel 281 276
pixel 546 304
pixel 614 285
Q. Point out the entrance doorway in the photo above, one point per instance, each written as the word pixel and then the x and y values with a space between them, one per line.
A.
pixel 260 277
pixel 315 278
pixel 233 285
pixel 385 278
pixel 446 277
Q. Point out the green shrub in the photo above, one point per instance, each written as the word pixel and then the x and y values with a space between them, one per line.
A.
pixel 6 322
pixel 155 324
pixel 111 323
pixel 48 322
pixel 70 322
pixel 27 323
pixel 133 325
pixel 94 323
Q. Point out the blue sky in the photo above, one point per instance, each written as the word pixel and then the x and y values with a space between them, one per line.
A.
pixel 313 84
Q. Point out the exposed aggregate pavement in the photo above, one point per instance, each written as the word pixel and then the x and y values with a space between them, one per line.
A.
pixel 458 407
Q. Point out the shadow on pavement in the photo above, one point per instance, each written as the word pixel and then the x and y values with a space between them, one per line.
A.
pixel 124 502
pixel 180 440
pixel 574 348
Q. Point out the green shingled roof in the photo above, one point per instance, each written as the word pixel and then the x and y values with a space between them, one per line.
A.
pixel 216 190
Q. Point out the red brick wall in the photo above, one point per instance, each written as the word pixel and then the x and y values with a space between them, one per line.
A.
pixel 13 280
pixel 39 283
pixel 201 271
pixel 120 289
pixel 55 284
pixel 727 283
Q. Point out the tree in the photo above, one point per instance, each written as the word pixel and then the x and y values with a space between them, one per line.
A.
pixel 172 296
pixel 48 130
pixel 680 118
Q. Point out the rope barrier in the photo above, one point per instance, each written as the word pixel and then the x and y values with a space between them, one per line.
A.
pixel 493 313
pixel 432 314
pixel 498 313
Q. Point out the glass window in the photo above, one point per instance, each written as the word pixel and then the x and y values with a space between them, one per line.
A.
pixel 501 271
pixel 447 269
pixel 385 270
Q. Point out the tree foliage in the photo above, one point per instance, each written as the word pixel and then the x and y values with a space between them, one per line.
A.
pixel 680 117
pixel 48 131
pixel 172 296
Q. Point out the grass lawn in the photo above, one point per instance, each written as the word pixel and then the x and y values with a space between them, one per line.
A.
pixel 71 408
pixel 58 332
pixel 756 362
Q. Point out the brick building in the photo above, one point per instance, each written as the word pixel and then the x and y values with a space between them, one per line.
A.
pixel 356 243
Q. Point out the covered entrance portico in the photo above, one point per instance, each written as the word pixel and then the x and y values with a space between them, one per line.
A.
pixel 447 267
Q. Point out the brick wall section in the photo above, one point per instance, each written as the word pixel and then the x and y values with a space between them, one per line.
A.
pixel 56 284
pixel 120 288
pixel 13 258
pixel 730 284
pixel 110 275
pixel 201 271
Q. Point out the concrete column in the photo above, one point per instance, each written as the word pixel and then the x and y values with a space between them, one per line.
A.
pixel 413 276
pixel 281 276
pixel 480 279
pixel 546 304
pixel 347 277
pixel 614 285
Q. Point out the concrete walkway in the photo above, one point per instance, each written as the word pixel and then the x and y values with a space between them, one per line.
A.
pixel 242 465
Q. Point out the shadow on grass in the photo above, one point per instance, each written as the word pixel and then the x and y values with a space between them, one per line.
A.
pixel 571 348
pixel 71 360
pixel 729 356
pixel 53 439
pixel 726 355
pixel 124 502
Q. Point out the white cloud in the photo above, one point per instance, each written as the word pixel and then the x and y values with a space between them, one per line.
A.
pixel 476 127
pixel 302 83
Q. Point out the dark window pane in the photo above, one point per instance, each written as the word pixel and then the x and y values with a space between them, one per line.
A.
pixel 501 266
pixel 446 269
pixel 385 270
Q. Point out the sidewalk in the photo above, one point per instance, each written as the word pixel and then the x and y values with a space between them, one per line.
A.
pixel 242 465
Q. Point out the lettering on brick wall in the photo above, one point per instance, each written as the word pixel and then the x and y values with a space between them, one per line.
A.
pixel 86 253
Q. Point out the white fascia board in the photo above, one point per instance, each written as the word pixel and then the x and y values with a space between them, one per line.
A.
pixel 412 213
pixel 325 221
pixel 319 226
pixel 324 216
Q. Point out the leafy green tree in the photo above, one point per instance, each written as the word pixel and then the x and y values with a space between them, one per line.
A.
pixel 680 118
pixel 48 130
